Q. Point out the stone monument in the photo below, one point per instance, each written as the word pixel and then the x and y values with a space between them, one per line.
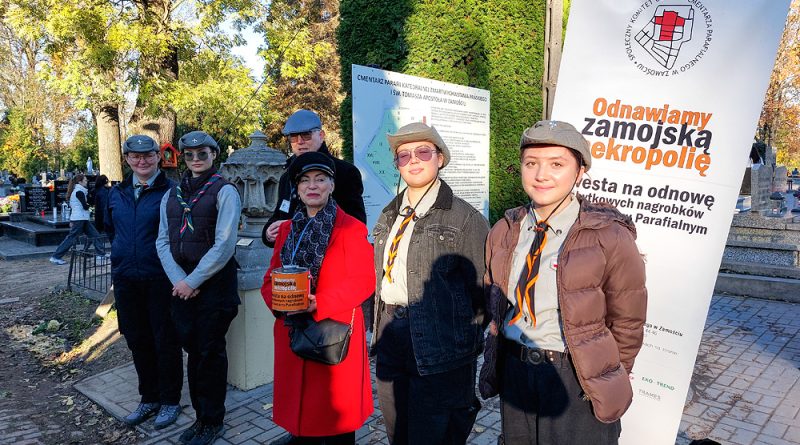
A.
pixel 255 171
pixel 759 181
pixel 762 252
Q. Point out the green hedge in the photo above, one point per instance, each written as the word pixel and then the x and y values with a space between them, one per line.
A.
pixel 371 32
pixel 496 45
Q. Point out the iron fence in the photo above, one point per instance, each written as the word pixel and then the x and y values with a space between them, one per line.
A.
pixel 87 269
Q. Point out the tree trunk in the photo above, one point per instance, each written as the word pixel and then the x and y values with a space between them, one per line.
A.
pixel 161 128
pixel 109 147
pixel 554 27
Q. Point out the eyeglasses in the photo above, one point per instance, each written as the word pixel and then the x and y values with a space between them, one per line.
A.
pixel 200 155
pixel 306 136
pixel 423 153
pixel 142 157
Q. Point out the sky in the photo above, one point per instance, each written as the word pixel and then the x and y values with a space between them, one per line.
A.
pixel 249 52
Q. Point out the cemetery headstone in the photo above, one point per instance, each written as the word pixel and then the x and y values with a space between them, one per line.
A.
pixel 746 182
pixel 60 191
pixel 90 187
pixel 779 178
pixel 37 199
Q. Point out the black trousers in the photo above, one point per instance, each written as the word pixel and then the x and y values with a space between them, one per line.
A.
pixel 417 409
pixel 543 405
pixel 143 312
pixel 202 323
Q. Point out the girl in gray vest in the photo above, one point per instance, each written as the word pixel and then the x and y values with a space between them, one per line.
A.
pixel 196 242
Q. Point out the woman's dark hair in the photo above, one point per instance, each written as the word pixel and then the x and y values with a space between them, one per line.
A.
pixel 71 187
pixel 101 181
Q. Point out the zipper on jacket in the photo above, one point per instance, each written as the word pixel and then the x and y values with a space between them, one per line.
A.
pixel 135 234
pixel 570 239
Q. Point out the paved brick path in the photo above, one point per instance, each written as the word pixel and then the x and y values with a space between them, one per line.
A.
pixel 746 383
pixel 745 389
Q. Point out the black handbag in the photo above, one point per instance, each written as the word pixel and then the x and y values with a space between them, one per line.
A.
pixel 325 341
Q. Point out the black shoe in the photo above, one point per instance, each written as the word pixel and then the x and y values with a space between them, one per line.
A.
pixel 207 434
pixel 188 434
pixel 286 439
pixel 142 412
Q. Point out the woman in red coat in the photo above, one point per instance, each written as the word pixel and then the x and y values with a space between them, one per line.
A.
pixel 315 402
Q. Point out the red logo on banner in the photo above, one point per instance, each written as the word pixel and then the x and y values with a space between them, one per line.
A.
pixel 664 34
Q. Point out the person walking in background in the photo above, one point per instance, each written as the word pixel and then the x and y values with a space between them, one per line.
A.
pixel 101 191
pixel 142 291
pixel 429 315
pixel 79 223
pixel 304 131
pixel 320 403
pixel 565 287
pixel 196 242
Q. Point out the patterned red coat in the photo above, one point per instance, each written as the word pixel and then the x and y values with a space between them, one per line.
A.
pixel 314 399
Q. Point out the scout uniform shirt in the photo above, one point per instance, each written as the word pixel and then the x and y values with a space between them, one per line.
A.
pixel 396 292
pixel 547 334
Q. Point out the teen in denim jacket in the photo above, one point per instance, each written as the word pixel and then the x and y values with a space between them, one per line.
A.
pixel 429 314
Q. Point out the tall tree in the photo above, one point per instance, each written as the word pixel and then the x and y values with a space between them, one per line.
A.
pixel 303 64
pixel 82 146
pixel 19 150
pixel 157 69
pixel 103 53
pixel 197 100
pixel 779 124
pixel 90 56
pixel 45 110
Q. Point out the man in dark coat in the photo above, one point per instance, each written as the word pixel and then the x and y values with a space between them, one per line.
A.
pixel 141 288
pixel 305 133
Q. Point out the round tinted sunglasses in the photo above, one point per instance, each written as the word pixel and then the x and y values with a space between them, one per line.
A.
pixel 422 153
pixel 200 155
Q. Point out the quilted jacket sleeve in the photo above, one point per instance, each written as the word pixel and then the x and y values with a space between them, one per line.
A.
pixel 626 295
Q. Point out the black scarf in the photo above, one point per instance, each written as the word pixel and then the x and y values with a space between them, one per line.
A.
pixel 309 239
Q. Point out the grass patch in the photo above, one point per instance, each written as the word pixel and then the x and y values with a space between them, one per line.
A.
pixel 74 311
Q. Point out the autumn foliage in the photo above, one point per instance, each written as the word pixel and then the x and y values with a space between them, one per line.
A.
pixel 779 124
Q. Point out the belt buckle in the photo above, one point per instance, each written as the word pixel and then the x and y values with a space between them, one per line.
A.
pixel 535 356
pixel 400 312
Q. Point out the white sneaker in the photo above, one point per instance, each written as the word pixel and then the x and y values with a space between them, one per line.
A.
pixel 58 261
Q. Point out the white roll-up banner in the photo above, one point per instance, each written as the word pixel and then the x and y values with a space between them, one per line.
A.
pixel 669 93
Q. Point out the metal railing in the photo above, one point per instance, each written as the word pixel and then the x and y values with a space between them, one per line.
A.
pixel 87 269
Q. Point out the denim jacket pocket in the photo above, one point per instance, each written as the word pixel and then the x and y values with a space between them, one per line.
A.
pixel 443 241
